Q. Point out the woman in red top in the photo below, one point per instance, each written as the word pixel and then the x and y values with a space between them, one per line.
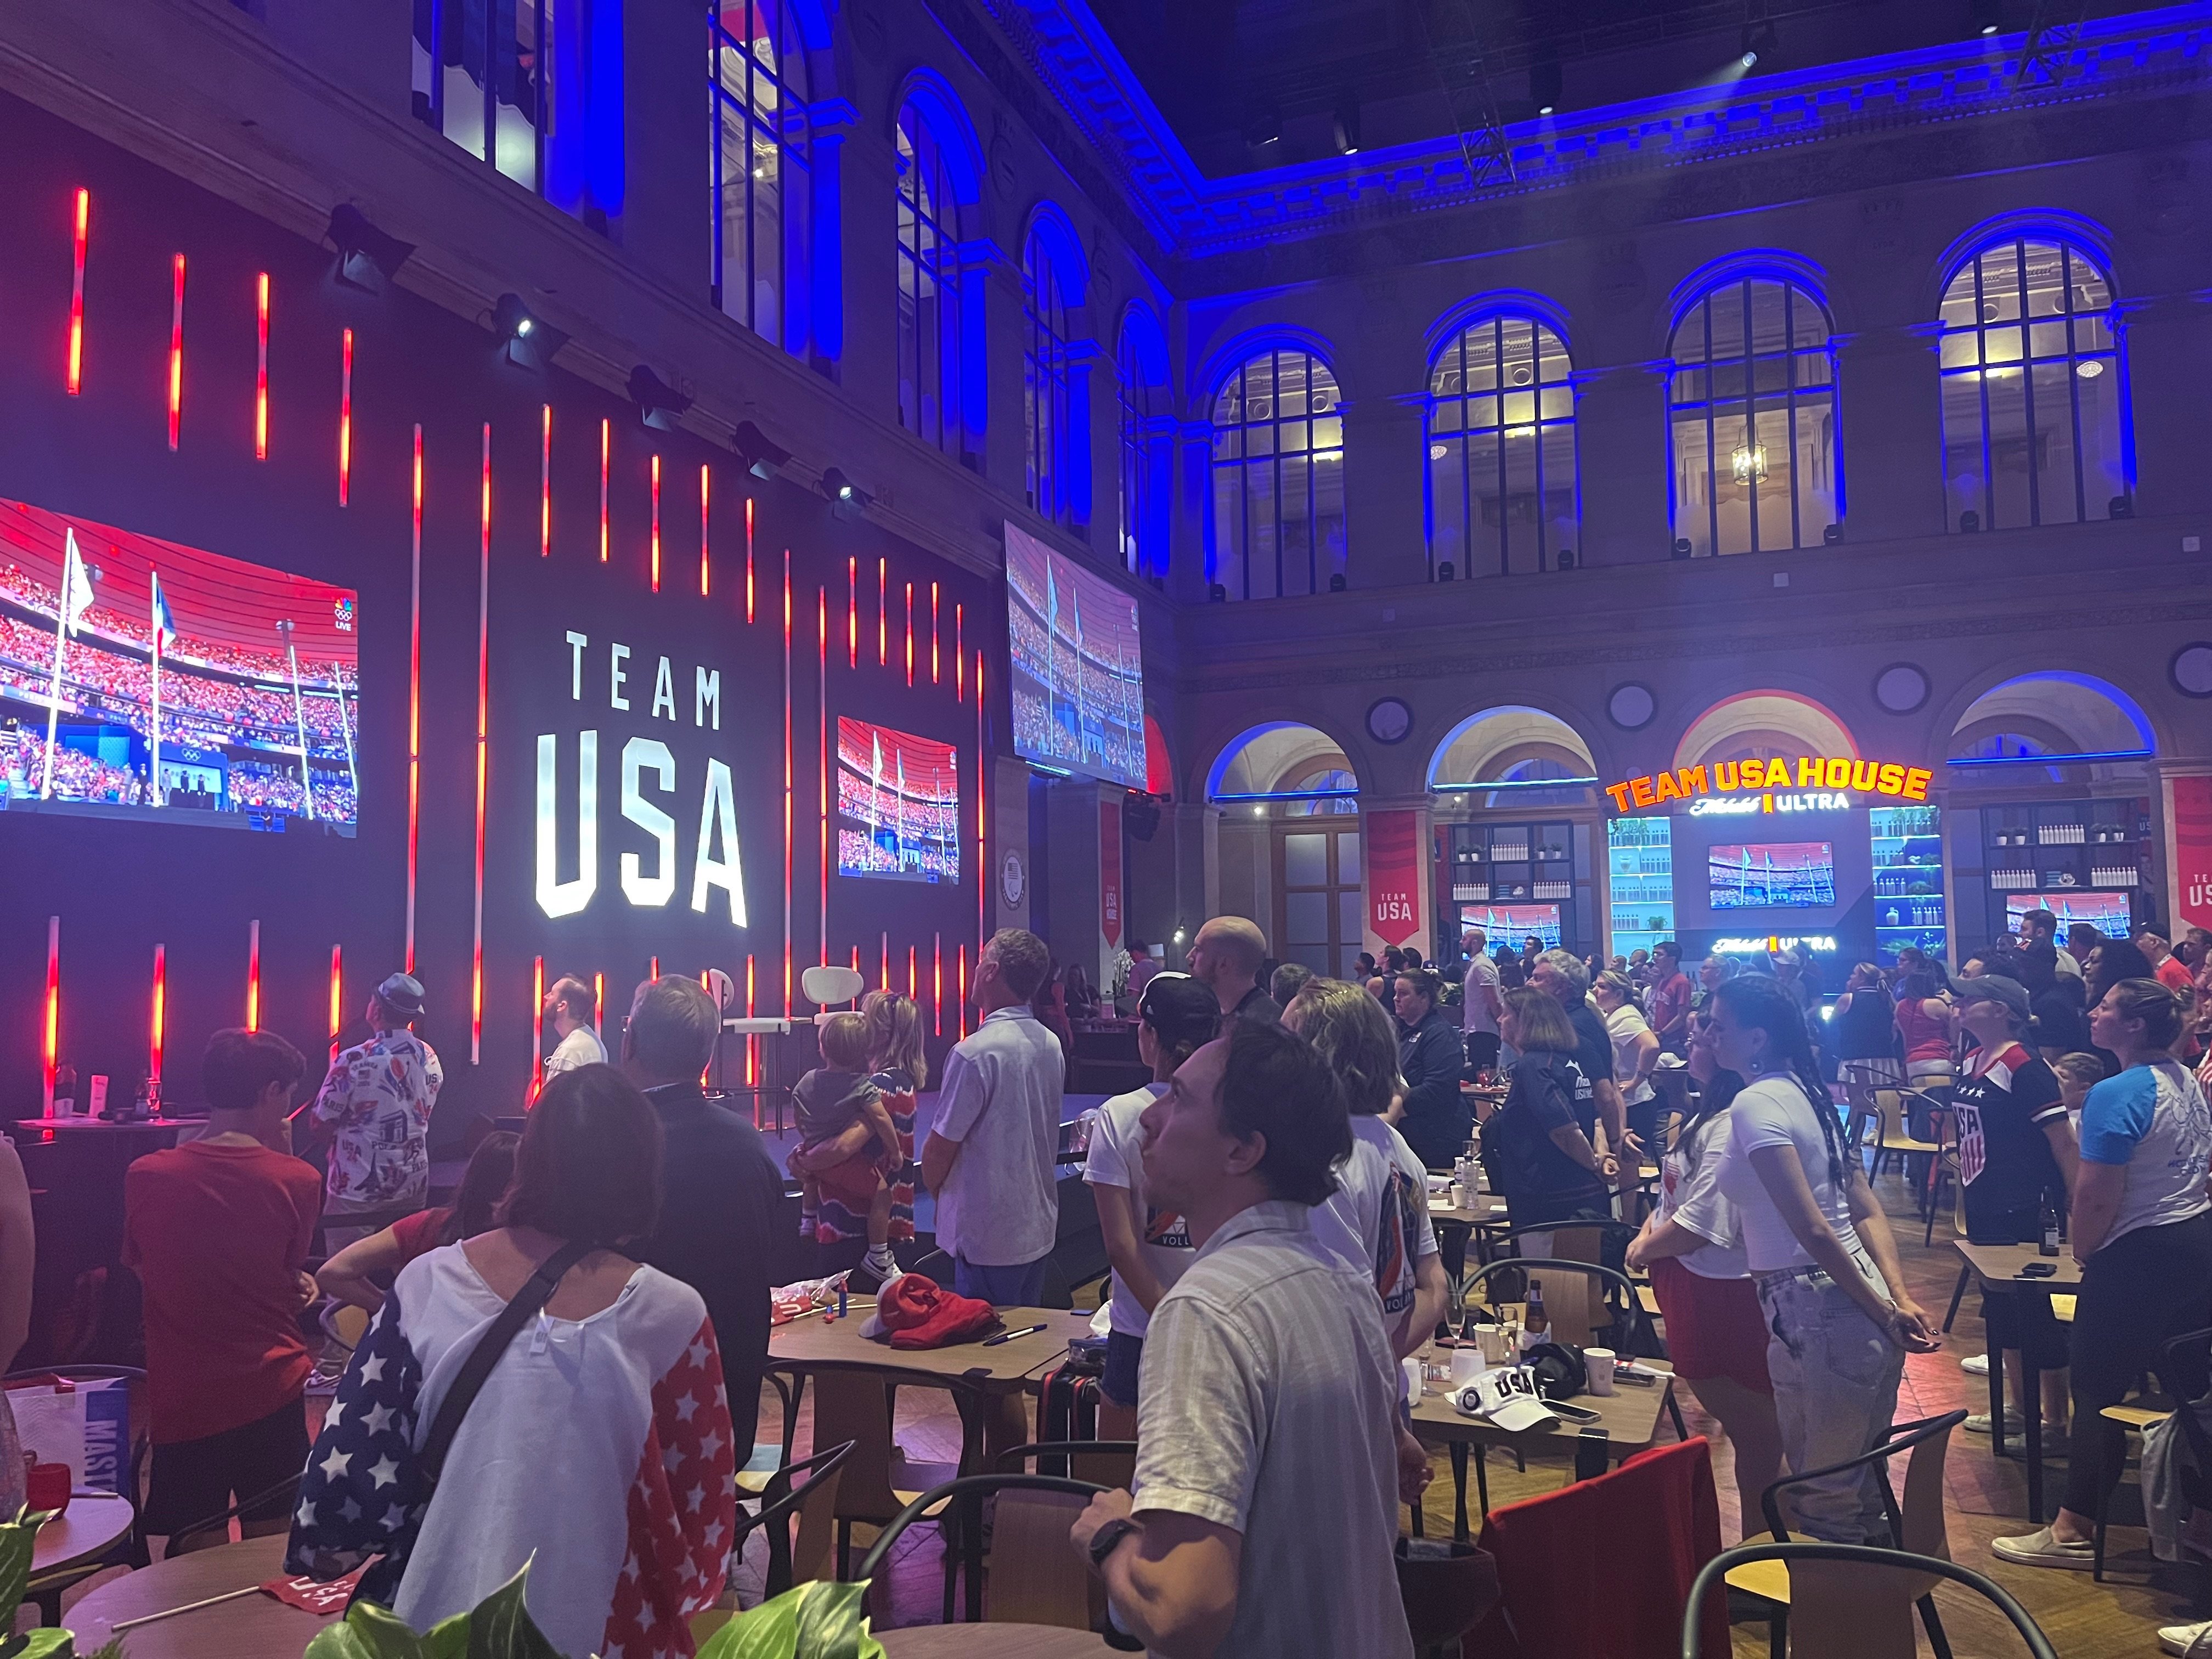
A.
pixel 1924 1021
pixel 357 1274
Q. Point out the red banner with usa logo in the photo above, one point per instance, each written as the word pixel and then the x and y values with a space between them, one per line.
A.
pixel 1394 875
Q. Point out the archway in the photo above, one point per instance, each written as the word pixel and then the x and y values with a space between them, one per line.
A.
pixel 1519 829
pixel 1763 724
pixel 1290 853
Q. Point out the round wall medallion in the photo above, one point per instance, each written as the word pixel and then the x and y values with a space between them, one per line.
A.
pixel 1390 720
pixel 2190 671
pixel 1631 705
pixel 1014 880
pixel 1901 688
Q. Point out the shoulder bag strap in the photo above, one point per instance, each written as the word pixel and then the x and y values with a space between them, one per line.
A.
pixel 490 1346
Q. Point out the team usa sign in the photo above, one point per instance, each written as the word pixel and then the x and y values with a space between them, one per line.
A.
pixel 1818 783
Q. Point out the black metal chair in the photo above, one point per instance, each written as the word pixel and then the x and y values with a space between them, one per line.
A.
pixel 2185 1374
pixel 1718 1570
pixel 1053 1586
pixel 780 1502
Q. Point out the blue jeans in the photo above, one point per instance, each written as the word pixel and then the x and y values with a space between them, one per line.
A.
pixel 1835 1375
pixel 1124 1355
pixel 1018 1286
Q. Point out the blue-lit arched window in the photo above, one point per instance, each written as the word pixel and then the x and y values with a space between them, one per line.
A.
pixel 761 182
pixel 2033 431
pixel 1276 524
pixel 1140 397
pixel 930 313
pixel 1044 383
pixel 1751 409
pixel 1501 449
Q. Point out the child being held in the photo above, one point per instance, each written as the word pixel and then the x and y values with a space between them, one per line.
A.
pixel 837 1097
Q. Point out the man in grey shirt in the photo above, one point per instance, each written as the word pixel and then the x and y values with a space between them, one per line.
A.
pixel 1270 1459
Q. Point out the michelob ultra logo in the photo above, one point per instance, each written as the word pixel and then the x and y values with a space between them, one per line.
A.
pixel 1835 772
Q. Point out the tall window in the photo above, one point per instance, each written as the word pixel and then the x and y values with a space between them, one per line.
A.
pixel 1278 516
pixel 757 79
pixel 929 287
pixel 1501 435
pixel 1752 411
pixel 1134 395
pixel 1044 382
pixel 479 78
pixel 2031 426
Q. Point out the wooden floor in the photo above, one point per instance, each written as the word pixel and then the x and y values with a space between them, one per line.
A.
pixel 1988 1498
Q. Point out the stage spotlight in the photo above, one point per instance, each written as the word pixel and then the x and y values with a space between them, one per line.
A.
pixel 367 259
pixel 1682 548
pixel 762 458
pixel 1445 572
pixel 1547 83
pixel 1216 593
pixel 1336 582
pixel 658 404
pixel 1988 15
pixel 1566 558
pixel 1833 535
pixel 1346 120
pixel 527 338
pixel 1263 125
pixel 1760 41
pixel 846 499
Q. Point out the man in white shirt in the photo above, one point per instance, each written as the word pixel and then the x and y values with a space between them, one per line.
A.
pixel 1270 1460
pixel 569 1006
pixel 1479 1001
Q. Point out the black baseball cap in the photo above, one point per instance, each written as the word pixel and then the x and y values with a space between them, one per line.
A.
pixel 1181 1010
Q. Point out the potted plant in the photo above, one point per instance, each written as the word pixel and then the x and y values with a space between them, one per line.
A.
pixel 16 1538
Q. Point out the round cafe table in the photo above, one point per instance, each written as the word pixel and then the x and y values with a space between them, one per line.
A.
pixel 93 1523
pixel 251 1628
pixel 986 1642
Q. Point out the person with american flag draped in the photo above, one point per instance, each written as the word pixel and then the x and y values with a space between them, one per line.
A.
pixel 598 1448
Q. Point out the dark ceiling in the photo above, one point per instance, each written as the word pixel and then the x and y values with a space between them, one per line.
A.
pixel 1256 84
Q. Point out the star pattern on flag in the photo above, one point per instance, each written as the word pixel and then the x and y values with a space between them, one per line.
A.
pixel 683 1510
pixel 362 1492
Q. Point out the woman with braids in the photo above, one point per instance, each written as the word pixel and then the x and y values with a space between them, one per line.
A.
pixel 2142 1232
pixel 1819 1248
pixel 1692 1246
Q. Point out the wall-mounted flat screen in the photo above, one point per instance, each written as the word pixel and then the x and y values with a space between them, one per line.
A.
pixel 1789 875
pixel 1079 681
pixel 2105 912
pixel 898 804
pixel 1507 925
pixel 142 679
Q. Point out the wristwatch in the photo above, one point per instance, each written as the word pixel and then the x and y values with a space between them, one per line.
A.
pixel 1107 1540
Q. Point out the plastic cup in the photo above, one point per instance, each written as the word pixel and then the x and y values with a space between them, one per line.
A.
pixel 1599 1362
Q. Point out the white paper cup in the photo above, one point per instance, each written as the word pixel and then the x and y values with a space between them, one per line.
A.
pixel 1467 1365
pixel 1600 1364
pixel 1411 1369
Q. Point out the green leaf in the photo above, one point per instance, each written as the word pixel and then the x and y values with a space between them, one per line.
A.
pixel 16 1538
pixel 448 1638
pixel 499 1626
pixel 47 1643
pixel 367 1632
pixel 813 1620
pixel 769 1630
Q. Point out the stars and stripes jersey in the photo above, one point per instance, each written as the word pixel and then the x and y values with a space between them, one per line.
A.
pixel 601 1447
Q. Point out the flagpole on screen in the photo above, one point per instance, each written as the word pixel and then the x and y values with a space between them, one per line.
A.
pixel 298 716
pixel 153 618
pixel 70 608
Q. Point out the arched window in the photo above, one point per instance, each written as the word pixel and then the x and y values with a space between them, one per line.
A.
pixel 1278 516
pixel 1751 412
pixel 1501 437
pixel 762 183
pixel 1140 391
pixel 2032 427
pixel 929 332
pixel 1044 382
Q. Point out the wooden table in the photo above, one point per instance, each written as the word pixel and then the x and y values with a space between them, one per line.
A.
pixel 94 1524
pixel 811 1344
pixel 1628 1422
pixel 251 1628
pixel 1998 1268
pixel 989 1642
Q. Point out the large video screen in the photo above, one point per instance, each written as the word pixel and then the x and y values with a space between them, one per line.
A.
pixel 141 679
pixel 1508 924
pixel 1079 682
pixel 2105 912
pixel 1789 875
pixel 898 804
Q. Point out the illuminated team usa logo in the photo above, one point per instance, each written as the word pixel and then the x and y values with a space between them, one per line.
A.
pixel 1823 782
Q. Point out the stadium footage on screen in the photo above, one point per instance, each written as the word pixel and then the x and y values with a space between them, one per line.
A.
pixel 142 678
pixel 1078 667
pixel 898 804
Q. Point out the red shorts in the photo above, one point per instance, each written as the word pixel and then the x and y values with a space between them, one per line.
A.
pixel 1715 1327
pixel 853 1182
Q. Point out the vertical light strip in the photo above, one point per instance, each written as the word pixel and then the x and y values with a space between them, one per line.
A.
pixel 884 966
pixel 484 747
pixel 937 983
pixel 959 655
pixel 963 992
pixel 75 378
pixel 160 1034
pixel 749 559
pixel 415 703
pixel 909 633
pixel 787 783
pixel 346 416
pixel 261 366
pixel 653 968
pixel 544 480
pixel 704 486
pixel 822 715
pixel 254 975
pixel 982 883
pixel 883 613
pixel 537 1028
pixel 913 979
pixel 598 1005
pixel 52 1054
pixel 852 612
pixel 752 1043
pixel 176 349
pixel 338 989
pixel 655 535
pixel 606 455
pixel 934 640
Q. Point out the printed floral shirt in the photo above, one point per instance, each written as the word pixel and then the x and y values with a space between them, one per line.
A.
pixel 380 1094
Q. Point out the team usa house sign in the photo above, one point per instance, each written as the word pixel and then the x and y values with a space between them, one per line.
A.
pixel 1815 783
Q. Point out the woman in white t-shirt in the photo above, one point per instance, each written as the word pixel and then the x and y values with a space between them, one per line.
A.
pixel 1377 1219
pixel 1635 1053
pixel 1149 1249
pixel 1692 1246
pixel 1819 1248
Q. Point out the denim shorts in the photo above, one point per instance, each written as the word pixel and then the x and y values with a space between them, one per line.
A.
pixel 1124 1353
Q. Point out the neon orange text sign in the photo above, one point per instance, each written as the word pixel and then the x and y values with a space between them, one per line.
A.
pixel 1811 772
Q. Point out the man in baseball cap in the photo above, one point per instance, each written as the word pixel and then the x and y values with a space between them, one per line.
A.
pixel 376 1106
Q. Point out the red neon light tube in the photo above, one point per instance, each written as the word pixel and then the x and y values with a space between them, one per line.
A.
pixel 544 480
pixel 822 712
pixel 913 980
pixel 483 749
pixel 787 783
pixel 934 640
pixel 656 524
pixel 937 983
pixel 261 366
pixel 752 1043
pixel 884 967
pixel 909 633
pixel 963 992
pixel 599 1002
pixel 338 989
pixel 652 969
pixel 959 658
pixel 703 486
pixel 346 416
pixel 606 454
pixel 982 760
pixel 160 1031
pixel 748 558
pixel 254 975
pixel 51 1056
pixel 883 613
pixel 415 703
pixel 176 349
pixel 537 1028
pixel 852 613
pixel 76 372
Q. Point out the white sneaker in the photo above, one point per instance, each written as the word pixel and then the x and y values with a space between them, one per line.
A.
pixel 1979 1424
pixel 2040 1548
pixel 2179 1639
pixel 1975 1364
